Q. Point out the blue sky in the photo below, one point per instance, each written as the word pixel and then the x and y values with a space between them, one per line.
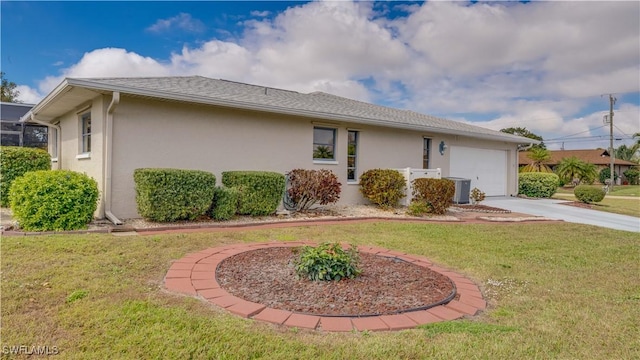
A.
pixel 540 65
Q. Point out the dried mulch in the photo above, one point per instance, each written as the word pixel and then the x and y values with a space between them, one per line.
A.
pixel 386 286
pixel 480 208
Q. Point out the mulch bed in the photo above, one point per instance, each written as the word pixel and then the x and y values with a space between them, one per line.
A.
pixel 386 286
pixel 480 208
pixel 577 204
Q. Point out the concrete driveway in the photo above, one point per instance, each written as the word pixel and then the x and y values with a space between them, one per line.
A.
pixel 552 208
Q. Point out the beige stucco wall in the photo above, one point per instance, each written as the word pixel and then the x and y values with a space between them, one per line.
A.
pixel 70 156
pixel 149 133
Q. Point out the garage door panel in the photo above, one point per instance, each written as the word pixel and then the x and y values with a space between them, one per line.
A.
pixel 486 168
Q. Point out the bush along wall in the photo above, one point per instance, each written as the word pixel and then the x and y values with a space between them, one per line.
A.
pixel 16 161
pixel 53 200
pixel 167 195
pixel 225 203
pixel 310 187
pixel 436 193
pixel 260 191
pixel 383 187
pixel 539 185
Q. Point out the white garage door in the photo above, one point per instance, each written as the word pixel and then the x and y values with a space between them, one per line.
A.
pixel 487 169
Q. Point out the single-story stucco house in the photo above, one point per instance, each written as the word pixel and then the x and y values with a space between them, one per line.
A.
pixel 109 127
pixel 598 157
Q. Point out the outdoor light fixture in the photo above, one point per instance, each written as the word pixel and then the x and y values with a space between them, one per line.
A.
pixel 442 147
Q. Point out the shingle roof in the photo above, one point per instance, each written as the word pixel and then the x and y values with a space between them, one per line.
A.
pixel 595 156
pixel 317 104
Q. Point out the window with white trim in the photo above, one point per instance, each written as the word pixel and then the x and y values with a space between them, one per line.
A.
pixel 85 126
pixel 352 154
pixel 324 140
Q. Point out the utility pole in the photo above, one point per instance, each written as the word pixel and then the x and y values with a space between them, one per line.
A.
pixel 612 101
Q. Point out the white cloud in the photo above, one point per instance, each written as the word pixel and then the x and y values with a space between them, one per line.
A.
pixel 538 64
pixel 28 95
pixel 260 13
pixel 108 62
pixel 182 21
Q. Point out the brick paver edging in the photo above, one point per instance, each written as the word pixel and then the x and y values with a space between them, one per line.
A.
pixel 195 275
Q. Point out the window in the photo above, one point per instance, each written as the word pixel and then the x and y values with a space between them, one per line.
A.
pixel 324 140
pixel 352 153
pixel 86 133
pixel 426 153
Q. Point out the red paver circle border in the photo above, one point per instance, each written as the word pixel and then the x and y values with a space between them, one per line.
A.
pixel 195 275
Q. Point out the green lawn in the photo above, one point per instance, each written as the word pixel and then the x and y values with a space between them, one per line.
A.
pixel 555 291
pixel 611 203
pixel 622 190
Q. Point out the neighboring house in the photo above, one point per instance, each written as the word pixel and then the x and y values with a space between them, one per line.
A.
pixel 598 157
pixel 109 127
pixel 15 133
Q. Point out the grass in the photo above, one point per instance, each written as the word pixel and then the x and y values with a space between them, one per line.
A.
pixel 610 204
pixel 622 190
pixel 554 291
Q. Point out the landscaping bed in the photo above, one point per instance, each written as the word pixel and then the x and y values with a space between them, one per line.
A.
pixel 386 286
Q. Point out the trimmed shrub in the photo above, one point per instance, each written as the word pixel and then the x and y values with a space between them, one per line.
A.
pixel 588 194
pixel 310 187
pixel 477 195
pixel 539 185
pixel 605 174
pixel 260 191
pixel 418 208
pixel 328 261
pixel 632 175
pixel 437 193
pixel 167 195
pixel 57 200
pixel 225 203
pixel 15 161
pixel 383 187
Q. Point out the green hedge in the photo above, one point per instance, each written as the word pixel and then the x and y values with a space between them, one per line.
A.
pixel 57 200
pixel 588 194
pixel 436 193
pixel 383 187
pixel 167 195
pixel 260 191
pixel 16 161
pixel 539 185
pixel 225 203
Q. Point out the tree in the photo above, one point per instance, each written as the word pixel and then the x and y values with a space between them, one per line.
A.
pixel 576 171
pixel 522 131
pixel 9 92
pixel 626 153
pixel 538 156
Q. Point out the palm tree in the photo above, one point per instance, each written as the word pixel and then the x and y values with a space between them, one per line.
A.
pixel 538 157
pixel 575 170
pixel 626 153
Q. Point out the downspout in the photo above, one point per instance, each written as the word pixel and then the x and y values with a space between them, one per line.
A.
pixel 32 118
pixel 107 158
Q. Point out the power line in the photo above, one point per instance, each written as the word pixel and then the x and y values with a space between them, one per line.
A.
pixel 582 132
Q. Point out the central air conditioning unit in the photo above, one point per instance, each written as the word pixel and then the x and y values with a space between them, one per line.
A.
pixel 463 189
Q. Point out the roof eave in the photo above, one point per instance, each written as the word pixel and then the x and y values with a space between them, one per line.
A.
pixel 71 82
pixel 58 91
